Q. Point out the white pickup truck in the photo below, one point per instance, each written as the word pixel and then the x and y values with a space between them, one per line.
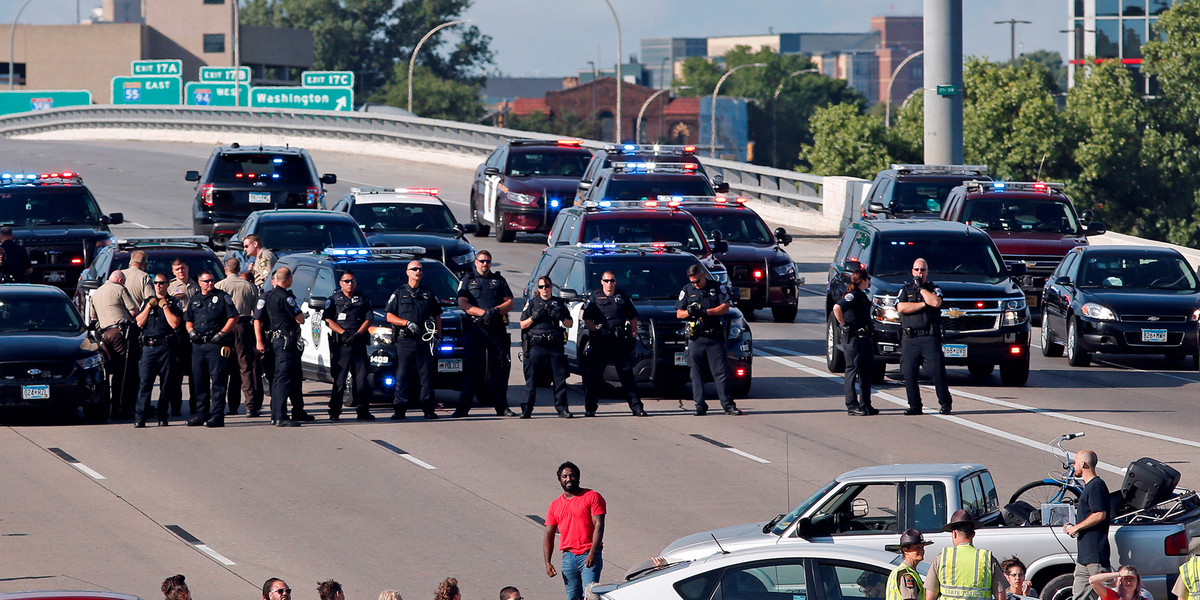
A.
pixel 871 506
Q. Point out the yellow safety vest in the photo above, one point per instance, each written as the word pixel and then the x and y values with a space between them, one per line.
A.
pixel 965 573
pixel 1189 572
pixel 893 582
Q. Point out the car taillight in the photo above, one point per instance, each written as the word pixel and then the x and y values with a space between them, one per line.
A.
pixel 1176 544
pixel 78 260
pixel 758 274
pixel 313 195
pixel 206 193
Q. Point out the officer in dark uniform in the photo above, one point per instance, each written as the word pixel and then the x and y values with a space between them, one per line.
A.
pixel 409 308
pixel 543 340
pixel 611 321
pixel 853 313
pixel 703 303
pixel 277 321
pixel 348 315
pixel 210 317
pixel 920 308
pixel 158 319
pixel 486 298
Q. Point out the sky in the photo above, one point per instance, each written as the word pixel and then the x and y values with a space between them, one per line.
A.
pixel 557 37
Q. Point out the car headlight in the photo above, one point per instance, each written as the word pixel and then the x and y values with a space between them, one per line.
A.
pixel 884 310
pixel 1099 312
pixel 381 335
pixel 738 327
pixel 522 198
pixel 784 270
pixel 1015 311
pixel 1196 315
pixel 90 362
pixel 463 259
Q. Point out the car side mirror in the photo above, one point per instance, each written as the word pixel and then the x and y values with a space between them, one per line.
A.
pixel 235 245
pixel 491 171
pixel 804 528
pixel 192 176
pixel 115 218
pixel 720 187
pixel 877 207
pixel 329 179
pixel 1064 280
pixel 567 294
pixel 782 236
pixel 89 284
pixel 859 507
pixel 719 246
pixel 1095 228
pixel 1018 269
pixel 1087 215
pixel 317 303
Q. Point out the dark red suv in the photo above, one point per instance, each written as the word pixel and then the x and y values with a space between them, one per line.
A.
pixel 524 183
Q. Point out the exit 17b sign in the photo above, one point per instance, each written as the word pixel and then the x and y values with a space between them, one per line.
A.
pixel 327 79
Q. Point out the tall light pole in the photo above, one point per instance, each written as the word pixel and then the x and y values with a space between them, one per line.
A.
pixel 12 41
pixel 1012 23
pixel 712 126
pixel 620 59
pixel 237 55
pixel 637 136
pixel 887 101
pixel 662 71
pixel 412 61
pixel 775 112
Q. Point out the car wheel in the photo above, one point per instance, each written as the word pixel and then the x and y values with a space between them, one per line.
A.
pixel 741 389
pixel 503 234
pixel 1049 347
pixel 1076 356
pixel 980 371
pixel 481 228
pixel 1059 588
pixel 784 314
pixel 1015 373
pixel 835 360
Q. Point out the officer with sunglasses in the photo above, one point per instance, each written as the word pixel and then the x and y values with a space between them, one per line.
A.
pixel 409 308
pixel 920 308
pixel 611 321
pixel 348 315
pixel 485 297
pixel 542 324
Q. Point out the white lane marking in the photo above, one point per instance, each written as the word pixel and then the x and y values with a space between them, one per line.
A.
pixel 1129 368
pixel 74 462
pixel 213 554
pixel 138 225
pixel 749 456
pixel 88 470
pixel 416 461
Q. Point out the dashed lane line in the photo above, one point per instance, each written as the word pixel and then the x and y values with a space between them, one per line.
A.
pixel 199 545
pixel 406 456
pixel 724 446
pixel 71 460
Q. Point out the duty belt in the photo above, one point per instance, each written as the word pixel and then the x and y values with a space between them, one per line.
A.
pixel 548 339
pixel 156 340
pixel 911 332
pixel 282 334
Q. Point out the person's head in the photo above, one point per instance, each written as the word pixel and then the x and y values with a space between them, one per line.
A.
pixel 160 284
pixel 920 270
pixel 1128 582
pixel 1085 462
pixel 251 244
pixel 1014 572
pixel 510 593
pixel 180 269
pixel 347 282
pixel 6 233
pixel 447 590
pixel 961 527
pixel 137 258
pixel 545 287
pixel 174 588
pixel 206 280
pixel 483 262
pixel 860 279
pixel 283 278
pixel 568 477
pixel 871 584
pixel 276 589
pixel 116 277
pixel 608 283
pixel 330 590
pixel 389 595
pixel 695 274
pixel 911 547
pixel 232 266
pixel 415 271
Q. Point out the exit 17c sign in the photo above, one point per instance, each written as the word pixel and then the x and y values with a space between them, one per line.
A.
pixel 327 79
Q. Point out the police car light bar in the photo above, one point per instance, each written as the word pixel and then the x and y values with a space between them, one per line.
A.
pixel 728 200
pixel 186 239
pixel 396 250
pixel 653 167
pixel 419 191
pixel 628 245
pixel 974 169
pixel 12 177
pixel 1013 186
pixel 651 148
pixel 657 204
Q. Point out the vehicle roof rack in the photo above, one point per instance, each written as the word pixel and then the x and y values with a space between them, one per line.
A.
pixel 196 240
pixel 1014 186
pixel 935 169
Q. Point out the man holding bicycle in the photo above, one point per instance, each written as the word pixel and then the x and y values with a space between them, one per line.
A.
pixel 1091 528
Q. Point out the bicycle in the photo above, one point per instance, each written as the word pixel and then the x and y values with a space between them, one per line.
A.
pixel 1064 488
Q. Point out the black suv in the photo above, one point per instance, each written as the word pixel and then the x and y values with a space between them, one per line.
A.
pixel 916 191
pixel 644 153
pixel 290 231
pixel 636 180
pixel 523 184
pixel 238 181
pixel 985 320
pixel 160 253
pixel 653 277
pixel 378 271
pixel 56 219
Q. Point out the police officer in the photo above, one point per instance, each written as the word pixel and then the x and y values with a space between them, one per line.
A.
pixel 277 321
pixel 348 315
pixel 853 313
pixel 264 260
pixel 961 571
pixel 542 324
pixel 245 375
pixel 703 303
pixel 486 298
pixel 611 320
pixel 1187 585
pixel 182 288
pixel 113 309
pixel 160 316
pixel 904 582
pixel 137 280
pixel 920 308
pixel 210 318
pixel 409 308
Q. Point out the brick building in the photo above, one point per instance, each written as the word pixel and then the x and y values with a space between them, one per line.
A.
pixel 674 120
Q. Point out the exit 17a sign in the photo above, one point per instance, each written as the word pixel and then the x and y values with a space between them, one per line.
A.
pixel 157 67
pixel 327 79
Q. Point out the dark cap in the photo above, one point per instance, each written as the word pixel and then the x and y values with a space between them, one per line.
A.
pixel 961 520
pixel 912 537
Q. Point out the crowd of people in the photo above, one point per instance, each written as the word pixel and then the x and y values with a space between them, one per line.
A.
pixel 175 588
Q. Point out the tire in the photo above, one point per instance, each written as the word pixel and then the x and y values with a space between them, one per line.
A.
pixel 1015 373
pixel 835 360
pixel 1076 356
pixel 1059 588
pixel 1037 493
pixel 503 234
pixel 1049 347
pixel 482 230
pixel 784 314
pixel 981 370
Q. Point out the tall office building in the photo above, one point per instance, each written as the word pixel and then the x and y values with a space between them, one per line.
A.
pixel 661 56
pixel 1113 30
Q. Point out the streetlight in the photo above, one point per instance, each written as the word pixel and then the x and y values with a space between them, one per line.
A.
pixel 775 112
pixel 412 61
pixel 662 71
pixel 620 51
pixel 712 126
pixel 637 136
pixel 887 101
pixel 237 56
pixel 12 40
pixel 1012 24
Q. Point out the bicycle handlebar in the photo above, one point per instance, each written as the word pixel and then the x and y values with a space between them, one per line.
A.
pixel 1071 436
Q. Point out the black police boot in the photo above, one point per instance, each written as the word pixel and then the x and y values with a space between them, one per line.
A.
pixel 856 412
pixel 701 411
pixel 913 411
pixel 365 416
pixel 870 410
pixel 398 415
pixel 526 411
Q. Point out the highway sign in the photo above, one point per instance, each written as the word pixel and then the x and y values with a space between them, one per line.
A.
pixel 147 90
pixel 302 98
pixel 157 67
pixel 223 74
pixel 327 79
pixel 215 93
pixel 26 101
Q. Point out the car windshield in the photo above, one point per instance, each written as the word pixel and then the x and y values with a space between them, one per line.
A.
pixel 645 188
pixel 1021 214
pixel 737 226
pixel 922 196
pixel 21 313
pixel 547 164
pixel 786 520
pixel 954 259
pixel 23 206
pixel 419 218
pixel 642 279
pixel 159 261
pixel 378 281
pixel 308 234
pixel 637 228
pixel 249 168
pixel 1137 272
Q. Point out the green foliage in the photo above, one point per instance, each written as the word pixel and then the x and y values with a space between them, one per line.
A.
pixel 846 142
pixel 433 97
pixel 1053 63
pixel 565 124
pixel 1010 120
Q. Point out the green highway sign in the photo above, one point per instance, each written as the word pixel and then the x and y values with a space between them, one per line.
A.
pixel 224 74
pixel 327 79
pixel 947 90
pixel 157 67
pixel 302 98
pixel 27 101
pixel 215 93
pixel 147 90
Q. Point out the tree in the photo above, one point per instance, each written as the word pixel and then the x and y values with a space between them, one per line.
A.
pixel 1053 63
pixel 433 97
pixel 1010 120
pixel 846 142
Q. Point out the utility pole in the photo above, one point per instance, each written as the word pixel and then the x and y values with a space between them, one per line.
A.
pixel 1012 23
pixel 943 82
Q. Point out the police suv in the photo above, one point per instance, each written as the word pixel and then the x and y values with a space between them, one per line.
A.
pixel 161 252
pixel 645 153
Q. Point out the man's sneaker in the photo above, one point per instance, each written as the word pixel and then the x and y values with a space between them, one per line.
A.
pixel 945 410
pixel 856 412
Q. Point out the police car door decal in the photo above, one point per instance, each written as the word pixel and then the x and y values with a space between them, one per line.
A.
pixel 491 186
pixel 315 333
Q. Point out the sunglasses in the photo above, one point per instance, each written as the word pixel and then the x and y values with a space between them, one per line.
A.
pixel 609 280
pixel 347 281
pixel 206 281
pixel 482 261
pixel 542 287
pixel 920 270
pixel 160 283
pixel 283 591
pixel 416 269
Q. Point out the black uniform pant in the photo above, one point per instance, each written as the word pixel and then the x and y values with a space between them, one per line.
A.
pixel 155 362
pixel 349 360
pixel 860 364
pixel 489 354
pixel 208 371
pixel 245 376
pixel 414 376
pixel 173 389
pixel 705 352
pixel 927 350
pixel 600 354
pixel 285 385
pixel 121 361
pixel 554 357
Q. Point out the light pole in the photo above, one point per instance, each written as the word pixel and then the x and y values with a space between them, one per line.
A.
pixel 712 126
pixel 637 136
pixel 662 71
pixel 237 55
pixel 620 51
pixel 1012 24
pixel 12 40
pixel 412 61
pixel 887 101
pixel 775 113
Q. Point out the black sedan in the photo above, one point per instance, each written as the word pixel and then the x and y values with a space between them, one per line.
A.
pixel 1123 300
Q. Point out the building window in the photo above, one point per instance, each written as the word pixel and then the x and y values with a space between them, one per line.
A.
pixel 1133 8
pixel 214 42
pixel 1134 35
pixel 1107 8
pixel 1108 32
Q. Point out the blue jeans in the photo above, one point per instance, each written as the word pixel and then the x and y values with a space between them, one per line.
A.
pixel 576 576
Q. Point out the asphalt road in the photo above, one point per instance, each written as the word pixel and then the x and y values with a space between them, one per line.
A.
pixel 402 505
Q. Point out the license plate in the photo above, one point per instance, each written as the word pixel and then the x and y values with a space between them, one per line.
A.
pixel 681 359
pixel 1154 335
pixel 54 276
pixel 954 350
pixel 450 365
pixel 260 197
pixel 744 293
pixel 35 392
pixel 1031 300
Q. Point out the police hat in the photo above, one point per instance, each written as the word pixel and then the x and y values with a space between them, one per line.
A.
pixel 912 537
pixel 961 520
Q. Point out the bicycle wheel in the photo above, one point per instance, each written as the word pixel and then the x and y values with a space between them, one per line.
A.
pixel 1037 493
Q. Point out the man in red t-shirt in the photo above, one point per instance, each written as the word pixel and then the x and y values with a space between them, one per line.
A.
pixel 579 515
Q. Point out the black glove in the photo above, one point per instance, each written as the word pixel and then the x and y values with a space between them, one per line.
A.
pixel 695 310
pixel 414 330
pixel 218 338
pixel 556 312
pixel 543 314
pixel 917 282
pixel 349 337
pixel 928 286
pixel 194 336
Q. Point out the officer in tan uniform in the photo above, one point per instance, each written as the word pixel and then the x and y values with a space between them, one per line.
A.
pixel 246 374
pixel 182 288
pixel 264 260
pixel 113 309
pixel 139 283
